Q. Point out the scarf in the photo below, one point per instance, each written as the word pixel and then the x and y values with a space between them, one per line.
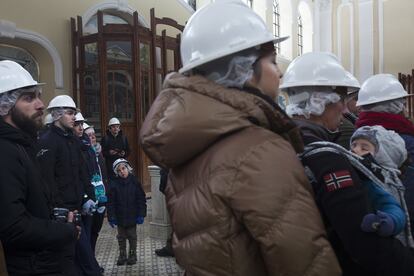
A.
pixel 389 121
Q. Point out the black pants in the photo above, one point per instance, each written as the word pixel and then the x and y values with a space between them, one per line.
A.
pixel 85 258
pixel 69 267
pixel 97 222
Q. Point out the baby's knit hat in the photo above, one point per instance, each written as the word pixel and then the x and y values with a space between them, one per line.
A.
pixel 390 151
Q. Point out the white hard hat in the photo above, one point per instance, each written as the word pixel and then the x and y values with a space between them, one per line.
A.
pixel 48 119
pixel 117 162
pixel 380 88
pixel 114 121
pixel 318 69
pixel 62 101
pixel 79 117
pixel 86 126
pixel 220 29
pixel 14 76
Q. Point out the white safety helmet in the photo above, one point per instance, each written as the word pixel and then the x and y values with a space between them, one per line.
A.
pixel 64 101
pixel 48 119
pixel 86 126
pixel 120 161
pixel 114 121
pixel 220 29
pixel 318 69
pixel 13 76
pixel 79 117
pixel 380 88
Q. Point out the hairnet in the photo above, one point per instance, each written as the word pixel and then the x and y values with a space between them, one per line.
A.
pixel 310 100
pixel 231 71
pixel 394 106
pixel 90 129
pixel 8 99
pixel 57 113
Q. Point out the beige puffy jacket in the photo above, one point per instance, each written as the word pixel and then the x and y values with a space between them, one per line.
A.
pixel 239 201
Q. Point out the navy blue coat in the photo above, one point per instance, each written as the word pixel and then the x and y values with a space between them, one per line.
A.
pixel 343 209
pixel 126 201
pixel 64 169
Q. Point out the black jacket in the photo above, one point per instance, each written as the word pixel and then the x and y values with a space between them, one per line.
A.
pixel 118 143
pixel 30 238
pixel 64 169
pixel 89 156
pixel 343 206
pixel 126 201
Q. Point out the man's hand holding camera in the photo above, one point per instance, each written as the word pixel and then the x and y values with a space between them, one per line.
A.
pixel 65 216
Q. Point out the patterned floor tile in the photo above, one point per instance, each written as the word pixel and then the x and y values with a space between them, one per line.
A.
pixel 148 263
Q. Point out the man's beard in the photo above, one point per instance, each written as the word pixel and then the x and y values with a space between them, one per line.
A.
pixel 25 123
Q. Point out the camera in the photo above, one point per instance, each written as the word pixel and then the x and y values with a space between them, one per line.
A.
pixel 77 218
pixel 61 215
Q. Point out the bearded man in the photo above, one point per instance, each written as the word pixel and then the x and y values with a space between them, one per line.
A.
pixel 32 240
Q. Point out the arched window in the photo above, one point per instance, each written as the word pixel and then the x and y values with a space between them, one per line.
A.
pixel 92 26
pixel 300 35
pixel 276 23
pixel 22 57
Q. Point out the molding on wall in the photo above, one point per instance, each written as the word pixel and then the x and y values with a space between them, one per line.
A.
pixel 366 39
pixel 8 29
pixel 346 3
pixel 316 26
pixel 119 5
pixel 323 25
pixel 186 6
pixel 380 36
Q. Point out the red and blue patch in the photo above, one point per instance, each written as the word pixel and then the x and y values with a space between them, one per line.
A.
pixel 338 180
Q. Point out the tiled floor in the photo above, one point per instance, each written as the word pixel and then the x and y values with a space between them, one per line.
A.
pixel 148 263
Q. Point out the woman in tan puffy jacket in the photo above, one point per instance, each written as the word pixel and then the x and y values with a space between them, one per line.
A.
pixel 239 200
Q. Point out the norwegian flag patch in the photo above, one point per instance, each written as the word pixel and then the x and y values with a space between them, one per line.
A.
pixel 338 180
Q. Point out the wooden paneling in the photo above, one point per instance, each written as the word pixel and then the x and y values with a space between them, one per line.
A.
pixel 408 83
pixel 135 34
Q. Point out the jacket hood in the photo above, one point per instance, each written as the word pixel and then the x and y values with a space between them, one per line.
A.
pixel 312 132
pixel 13 134
pixel 191 113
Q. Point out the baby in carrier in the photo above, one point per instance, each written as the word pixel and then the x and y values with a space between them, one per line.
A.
pixel 387 149
pixel 376 154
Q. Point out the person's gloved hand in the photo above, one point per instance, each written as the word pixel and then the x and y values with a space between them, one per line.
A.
pixel 381 223
pixel 89 207
pixel 140 220
pixel 103 199
pixel 112 222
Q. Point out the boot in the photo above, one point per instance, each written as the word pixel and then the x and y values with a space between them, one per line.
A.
pixel 164 252
pixel 122 253
pixel 132 257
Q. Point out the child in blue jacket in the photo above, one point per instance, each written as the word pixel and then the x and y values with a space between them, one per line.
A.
pixel 387 149
pixel 126 208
